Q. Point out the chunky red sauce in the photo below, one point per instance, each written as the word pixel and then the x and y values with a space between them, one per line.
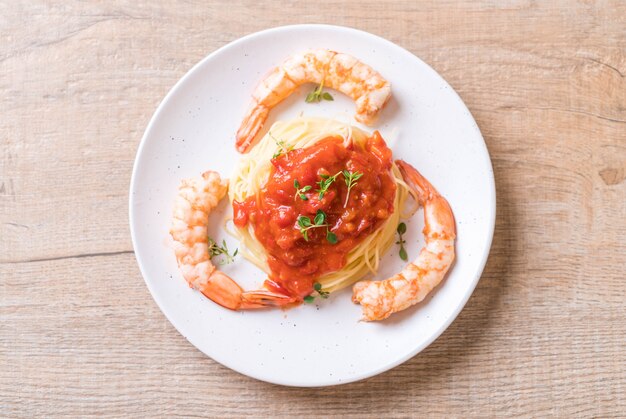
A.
pixel 294 262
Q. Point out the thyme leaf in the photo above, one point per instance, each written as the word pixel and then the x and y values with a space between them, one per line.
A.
pixel 217 250
pixel 300 191
pixel 317 289
pixel 351 180
pixel 305 224
pixel 282 147
pixel 401 230
pixel 318 94
pixel 325 183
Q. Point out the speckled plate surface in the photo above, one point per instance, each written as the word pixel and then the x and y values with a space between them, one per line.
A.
pixel 425 123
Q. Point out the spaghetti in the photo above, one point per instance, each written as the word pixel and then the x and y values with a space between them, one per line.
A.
pixel 278 146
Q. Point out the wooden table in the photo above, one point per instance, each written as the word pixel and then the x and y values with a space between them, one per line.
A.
pixel 544 332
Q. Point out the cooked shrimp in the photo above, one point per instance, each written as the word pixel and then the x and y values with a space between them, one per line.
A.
pixel 338 71
pixel 380 299
pixel 195 201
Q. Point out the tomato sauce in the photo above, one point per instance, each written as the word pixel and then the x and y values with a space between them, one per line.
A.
pixel 294 262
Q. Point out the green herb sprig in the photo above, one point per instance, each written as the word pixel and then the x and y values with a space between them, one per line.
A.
pixel 217 250
pixel 317 287
pixel 351 180
pixel 282 148
pixel 300 191
pixel 401 230
pixel 305 224
pixel 317 95
pixel 325 183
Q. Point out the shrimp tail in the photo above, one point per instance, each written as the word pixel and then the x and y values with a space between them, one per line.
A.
pixel 250 126
pixel 261 298
pixel 436 207
pixel 223 290
pixel 416 181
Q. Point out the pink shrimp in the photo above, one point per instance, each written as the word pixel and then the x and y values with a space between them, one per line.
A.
pixel 332 69
pixel 380 299
pixel 195 201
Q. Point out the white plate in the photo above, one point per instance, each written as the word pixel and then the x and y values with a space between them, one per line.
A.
pixel 426 123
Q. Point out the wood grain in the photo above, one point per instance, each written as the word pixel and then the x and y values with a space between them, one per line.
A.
pixel 544 333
